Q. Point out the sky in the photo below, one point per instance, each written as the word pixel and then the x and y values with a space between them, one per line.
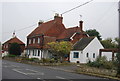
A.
pixel 23 16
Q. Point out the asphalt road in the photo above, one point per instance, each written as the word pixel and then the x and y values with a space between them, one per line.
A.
pixel 13 70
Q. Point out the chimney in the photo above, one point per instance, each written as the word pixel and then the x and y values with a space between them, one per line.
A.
pixel 13 34
pixel 81 25
pixel 58 18
pixel 40 22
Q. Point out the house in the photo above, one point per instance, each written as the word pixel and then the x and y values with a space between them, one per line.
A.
pixel 109 53
pixel 85 49
pixel 51 31
pixel 14 39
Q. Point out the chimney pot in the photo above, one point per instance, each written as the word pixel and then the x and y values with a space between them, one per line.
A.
pixel 58 18
pixel 40 22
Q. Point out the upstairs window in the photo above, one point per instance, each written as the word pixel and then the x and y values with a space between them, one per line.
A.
pixel 34 41
pixel 29 41
pixel 76 55
pixel 4 46
pixel 38 40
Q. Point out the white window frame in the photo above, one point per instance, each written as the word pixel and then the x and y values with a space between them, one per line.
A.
pixel 33 40
pixel 38 40
pixel 29 41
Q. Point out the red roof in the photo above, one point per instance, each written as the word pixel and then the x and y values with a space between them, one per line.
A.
pixel 13 40
pixel 51 28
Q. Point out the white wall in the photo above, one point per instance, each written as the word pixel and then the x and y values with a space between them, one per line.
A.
pixel 108 55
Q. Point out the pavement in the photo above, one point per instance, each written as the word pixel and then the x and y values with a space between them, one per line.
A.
pixel 13 70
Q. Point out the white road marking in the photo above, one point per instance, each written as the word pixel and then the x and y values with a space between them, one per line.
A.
pixel 59 77
pixel 36 72
pixel 33 72
pixel 38 78
pixel 19 71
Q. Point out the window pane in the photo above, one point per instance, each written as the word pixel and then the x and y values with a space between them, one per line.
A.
pixel 93 55
pixel 38 40
pixel 33 40
pixel 76 55
pixel 38 53
pixel 29 41
pixel 87 55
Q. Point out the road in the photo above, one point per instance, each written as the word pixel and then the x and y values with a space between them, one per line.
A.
pixel 13 70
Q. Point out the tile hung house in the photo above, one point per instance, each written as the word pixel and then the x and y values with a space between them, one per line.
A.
pixel 85 49
pixel 14 39
pixel 51 31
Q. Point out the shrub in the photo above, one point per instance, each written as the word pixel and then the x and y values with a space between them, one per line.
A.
pixel 45 60
pixel 118 64
pixel 32 59
pixel 10 55
pixel 101 62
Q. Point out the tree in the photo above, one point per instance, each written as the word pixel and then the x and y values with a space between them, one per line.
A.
pixel 14 49
pixel 60 48
pixel 117 41
pixel 118 64
pixel 94 32
pixel 109 43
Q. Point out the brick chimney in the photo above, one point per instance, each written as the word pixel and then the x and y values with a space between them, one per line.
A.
pixel 81 25
pixel 58 18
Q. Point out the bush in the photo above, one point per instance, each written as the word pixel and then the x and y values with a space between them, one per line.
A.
pixel 118 64
pixel 32 59
pixel 45 60
pixel 101 62
pixel 10 55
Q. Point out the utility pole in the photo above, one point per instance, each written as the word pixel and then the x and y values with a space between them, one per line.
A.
pixel 119 25
pixel 119 18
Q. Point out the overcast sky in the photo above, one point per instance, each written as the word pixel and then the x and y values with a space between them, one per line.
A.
pixel 99 15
